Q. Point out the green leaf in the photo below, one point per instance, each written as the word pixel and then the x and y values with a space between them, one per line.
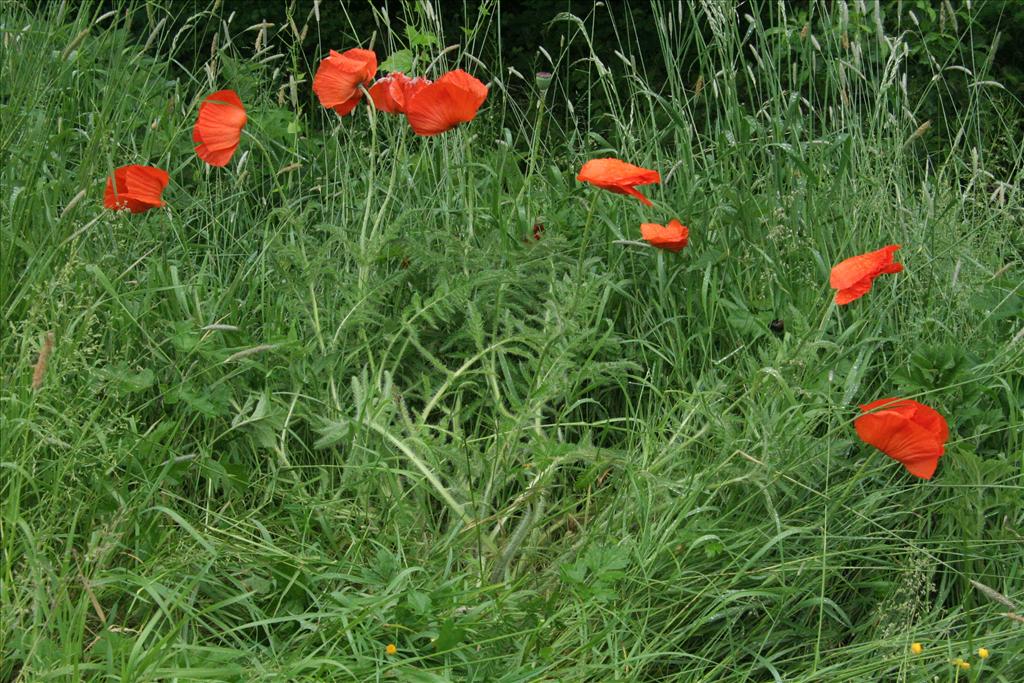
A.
pixel 398 61
pixel 124 380
pixel 998 304
pixel 184 335
pixel 209 402
pixel 419 38
pixel 742 321
pixel 419 602
pixel 574 573
pixel 277 123
pixel 449 636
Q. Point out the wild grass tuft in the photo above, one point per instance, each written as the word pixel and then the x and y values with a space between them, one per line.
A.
pixel 337 397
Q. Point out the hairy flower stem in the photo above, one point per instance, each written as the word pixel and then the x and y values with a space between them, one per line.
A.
pixel 586 235
pixel 364 269
pixel 532 162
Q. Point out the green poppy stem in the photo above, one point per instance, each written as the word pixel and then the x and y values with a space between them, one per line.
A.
pixel 586 234
pixel 364 257
pixel 531 166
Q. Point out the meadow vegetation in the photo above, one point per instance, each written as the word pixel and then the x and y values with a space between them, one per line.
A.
pixel 345 392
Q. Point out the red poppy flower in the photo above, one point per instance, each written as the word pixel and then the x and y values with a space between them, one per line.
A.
pixel 617 176
pixel 672 237
pixel 450 100
pixel 391 93
pixel 339 76
pixel 853 277
pixel 905 430
pixel 136 188
pixel 219 127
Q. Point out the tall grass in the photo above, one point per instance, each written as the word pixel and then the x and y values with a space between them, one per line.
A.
pixel 336 396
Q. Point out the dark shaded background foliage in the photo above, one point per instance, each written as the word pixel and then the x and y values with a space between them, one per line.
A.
pixel 526 25
pixel 982 37
pixel 516 31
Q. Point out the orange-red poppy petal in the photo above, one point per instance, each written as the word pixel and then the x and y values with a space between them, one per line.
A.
pixel 900 439
pixel 345 108
pixel 855 291
pixel 137 188
pixel 632 192
pixel 476 92
pixel 380 93
pixel 221 120
pixel 218 128
pixel 672 237
pixel 339 76
pixel 618 176
pixel 147 181
pixel 226 97
pixel 440 106
pixel 391 93
pixel 213 157
pixel 853 277
pixel 404 89
pixel 115 195
pixel 923 467
pixel 902 406
pixel 332 84
pixel 907 431
pixel 850 271
pixel 612 171
pixel 931 420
